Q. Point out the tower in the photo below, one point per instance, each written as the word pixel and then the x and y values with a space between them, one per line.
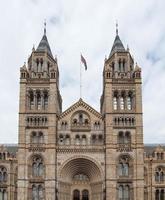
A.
pixel 40 103
pixel 121 107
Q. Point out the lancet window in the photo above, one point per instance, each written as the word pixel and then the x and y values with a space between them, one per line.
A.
pixel 124 166
pixel 124 137
pixel 124 192
pixel 3 194
pixel 159 174
pixel 37 192
pixel 160 194
pixel 37 167
pixel 37 99
pixel 3 174
pixel 123 100
pixel 37 137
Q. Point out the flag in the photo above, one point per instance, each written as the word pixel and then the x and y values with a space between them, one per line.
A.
pixel 84 62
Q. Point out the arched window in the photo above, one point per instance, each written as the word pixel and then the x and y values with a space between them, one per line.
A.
pixel 37 167
pixel 121 137
pixel 124 166
pixel 159 174
pixel 85 195
pixel 3 174
pixel 94 139
pixel 84 139
pixel 80 118
pixel 31 99
pixel 3 194
pixel 45 99
pixel 115 103
pixel 77 139
pixel 159 194
pixel 37 138
pixel 124 192
pixel 76 195
pixel 127 138
pixel 37 192
pixel 122 102
pixel 67 139
pixel 129 101
pixel 38 100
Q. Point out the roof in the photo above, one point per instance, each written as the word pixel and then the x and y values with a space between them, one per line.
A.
pixel 44 46
pixel 117 46
pixel 79 103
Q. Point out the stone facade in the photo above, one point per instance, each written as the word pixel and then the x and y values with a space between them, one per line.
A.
pixel 81 154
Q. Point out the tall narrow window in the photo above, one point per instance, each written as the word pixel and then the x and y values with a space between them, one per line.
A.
pixel 37 167
pixel 80 118
pixel 129 103
pixel 38 100
pixel 123 166
pixel 37 192
pixel 3 174
pixel 31 100
pixel 45 100
pixel 122 103
pixel 115 103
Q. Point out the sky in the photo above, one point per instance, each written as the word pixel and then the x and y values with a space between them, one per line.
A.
pixel 87 27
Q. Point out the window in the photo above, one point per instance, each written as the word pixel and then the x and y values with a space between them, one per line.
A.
pixel 124 192
pixel 37 138
pixel 37 167
pixel 124 137
pixel 124 166
pixel 159 194
pixel 129 103
pixel 3 194
pixel 45 100
pixel 76 195
pixel 159 174
pixel 77 139
pixel 3 174
pixel 85 195
pixel 122 103
pixel 38 100
pixel 31 99
pixel 67 139
pixel 37 192
pixel 115 103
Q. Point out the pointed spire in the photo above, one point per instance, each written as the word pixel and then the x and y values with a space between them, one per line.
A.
pixel 116 27
pixel 44 44
pixel 45 27
pixel 117 45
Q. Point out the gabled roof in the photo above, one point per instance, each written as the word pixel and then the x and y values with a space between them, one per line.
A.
pixel 44 46
pixel 78 104
pixel 117 46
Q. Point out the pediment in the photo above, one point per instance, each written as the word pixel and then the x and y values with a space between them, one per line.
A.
pixel 80 105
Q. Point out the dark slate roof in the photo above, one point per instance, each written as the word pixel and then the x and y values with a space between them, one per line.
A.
pixel 117 46
pixel 44 46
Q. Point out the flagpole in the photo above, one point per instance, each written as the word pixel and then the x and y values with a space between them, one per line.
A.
pixel 80 78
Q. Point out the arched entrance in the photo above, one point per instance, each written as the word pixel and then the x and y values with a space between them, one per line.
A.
pixel 80 179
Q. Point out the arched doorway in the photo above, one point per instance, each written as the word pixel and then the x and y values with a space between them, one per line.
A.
pixel 81 179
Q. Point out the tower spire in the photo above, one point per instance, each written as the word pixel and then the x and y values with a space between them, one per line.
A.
pixel 45 27
pixel 117 27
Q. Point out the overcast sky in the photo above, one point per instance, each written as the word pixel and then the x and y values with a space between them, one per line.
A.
pixel 86 26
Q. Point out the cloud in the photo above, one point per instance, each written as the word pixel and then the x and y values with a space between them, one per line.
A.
pixel 87 27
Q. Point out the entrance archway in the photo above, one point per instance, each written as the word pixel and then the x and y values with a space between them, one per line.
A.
pixel 80 179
